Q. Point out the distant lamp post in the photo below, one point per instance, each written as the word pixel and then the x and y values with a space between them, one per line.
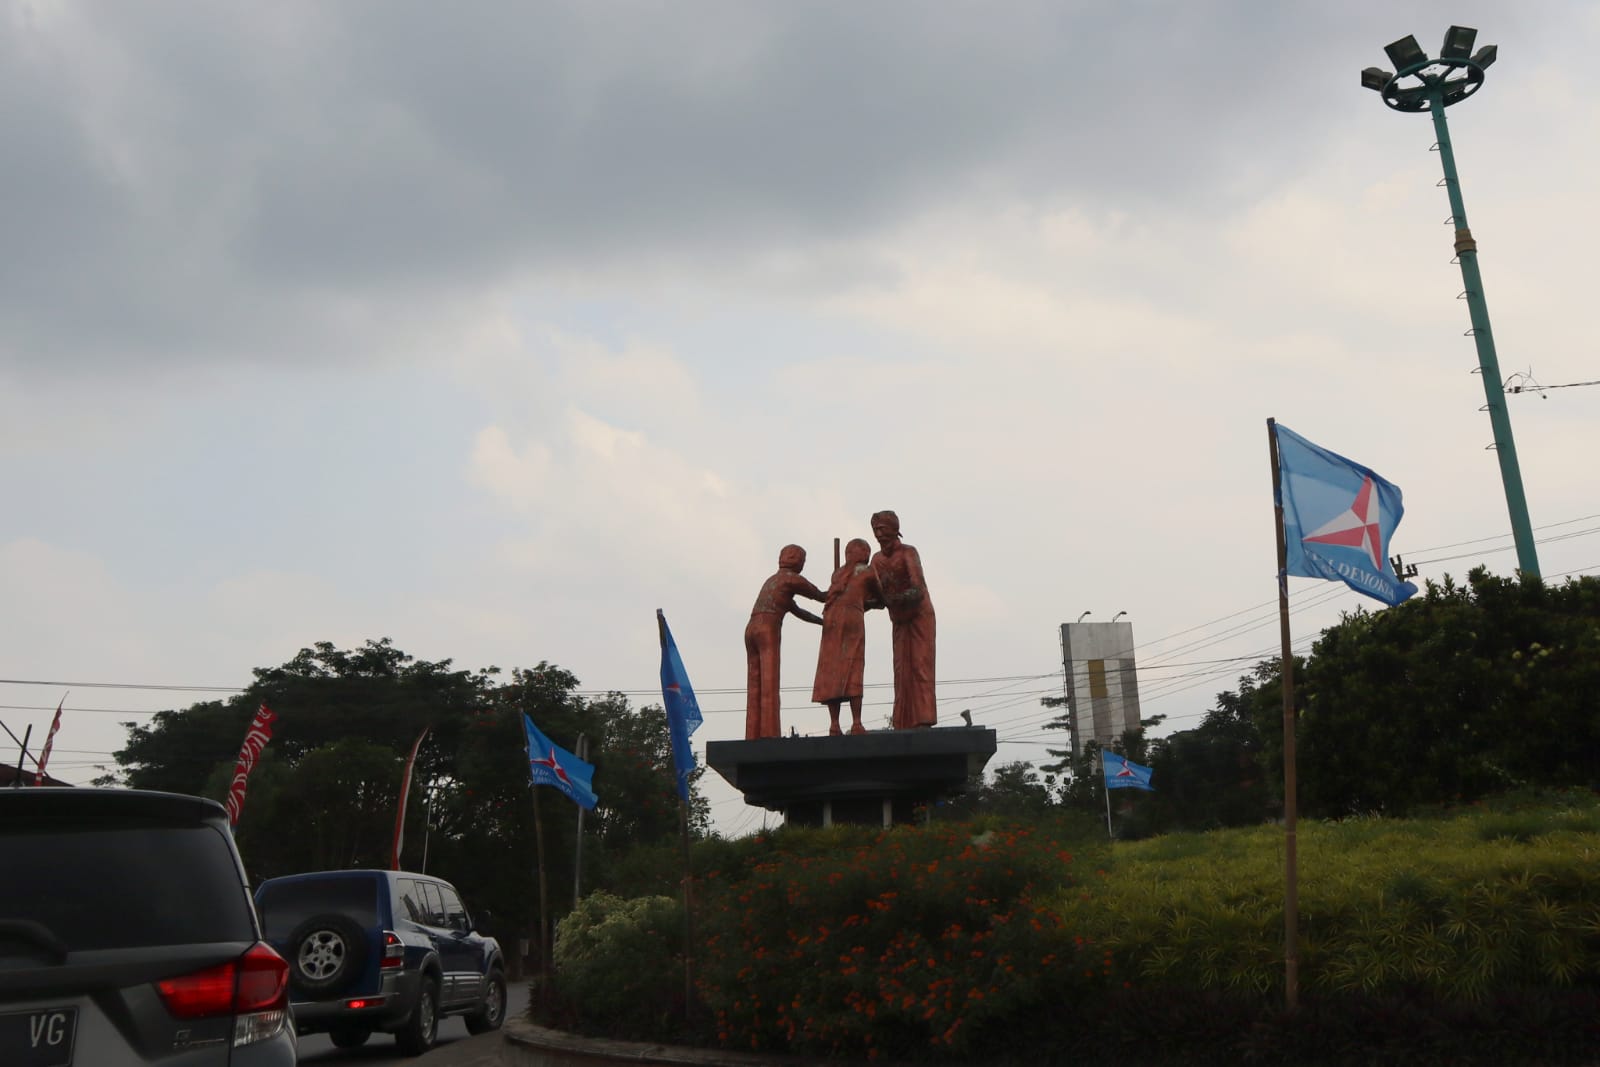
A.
pixel 1422 84
pixel 1085 615
pixel 1118 615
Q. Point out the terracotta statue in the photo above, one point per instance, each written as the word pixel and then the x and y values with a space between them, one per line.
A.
pixel 905 594
pixel 841 656
pixel 762 637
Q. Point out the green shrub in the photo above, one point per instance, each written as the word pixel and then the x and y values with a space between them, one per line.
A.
pixel 615 965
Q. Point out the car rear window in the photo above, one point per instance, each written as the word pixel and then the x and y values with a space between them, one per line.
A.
pixel 285 905
pixel 106 884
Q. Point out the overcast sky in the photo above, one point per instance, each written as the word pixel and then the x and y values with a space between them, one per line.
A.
pixel 493 327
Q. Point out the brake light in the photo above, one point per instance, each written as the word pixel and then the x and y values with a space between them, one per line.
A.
pixel 263 981
pixel 254 988
pixel 394 950
pixel 197 995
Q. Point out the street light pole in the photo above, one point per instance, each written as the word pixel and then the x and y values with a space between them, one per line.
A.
pixel 1424 84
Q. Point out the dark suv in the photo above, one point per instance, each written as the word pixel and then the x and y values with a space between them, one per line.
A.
pixel 381 951
pixel 127 936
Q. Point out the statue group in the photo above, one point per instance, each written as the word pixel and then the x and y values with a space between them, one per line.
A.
pixel 890 579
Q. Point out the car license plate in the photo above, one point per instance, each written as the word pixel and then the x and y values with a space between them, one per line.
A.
pixel 39 1038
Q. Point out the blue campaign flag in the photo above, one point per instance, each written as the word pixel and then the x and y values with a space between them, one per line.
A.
pixel 683 712
pixel 1338 517
pixel 550 764
pixel 1123 773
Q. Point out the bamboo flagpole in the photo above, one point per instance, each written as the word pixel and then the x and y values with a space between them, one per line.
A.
pixel 22 757
pixel 688 913
pixel 1334 518
pixel 577 851
pixel 1291 880
pixel 1106 789
pixel 550 764
pixel 683 718
pixel 544 907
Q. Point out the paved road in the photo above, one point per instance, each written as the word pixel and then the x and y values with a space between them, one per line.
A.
pixel 456 1048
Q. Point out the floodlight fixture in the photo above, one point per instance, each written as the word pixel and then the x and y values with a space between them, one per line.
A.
pixel 1458 42
pixel 1406 52
pixel 1485 55
pixel 1375 78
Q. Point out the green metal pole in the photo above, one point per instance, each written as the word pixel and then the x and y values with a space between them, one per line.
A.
pixel 1489 366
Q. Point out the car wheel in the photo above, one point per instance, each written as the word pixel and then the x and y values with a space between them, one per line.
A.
pixel 493 1011
pixel 349 1038
pixel 328 951
pixel 419 1031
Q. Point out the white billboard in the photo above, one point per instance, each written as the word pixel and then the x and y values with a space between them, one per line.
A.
pixel 1102 682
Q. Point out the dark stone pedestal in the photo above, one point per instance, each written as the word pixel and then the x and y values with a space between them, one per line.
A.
pixel 876 779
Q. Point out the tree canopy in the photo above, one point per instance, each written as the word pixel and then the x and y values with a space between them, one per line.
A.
pixel 324 793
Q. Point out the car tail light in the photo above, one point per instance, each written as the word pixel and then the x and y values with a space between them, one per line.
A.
pixel 394 950
pixel 201 994
pixel 263 981
pixel 254 988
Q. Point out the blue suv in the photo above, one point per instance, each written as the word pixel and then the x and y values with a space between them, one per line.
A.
pixel 381 951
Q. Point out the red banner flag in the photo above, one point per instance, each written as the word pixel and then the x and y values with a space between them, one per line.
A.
pixel 44 756
pixel 255 739
pixel 405 791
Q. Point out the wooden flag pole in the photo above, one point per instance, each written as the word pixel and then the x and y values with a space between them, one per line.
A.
pixel 1106 789
pixel 22 758
pixel 577 852
pixel 688 916
pixel 1291 889
pixel 683 826
pixel 544 913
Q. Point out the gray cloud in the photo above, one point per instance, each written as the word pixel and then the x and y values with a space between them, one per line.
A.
pixel 201 180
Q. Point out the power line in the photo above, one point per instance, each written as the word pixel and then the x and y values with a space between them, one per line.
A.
pixel 1159 663
pixel 1497 537
pixel 1570 535
pixel 127 685
pixel 1535 387
pixel 97 711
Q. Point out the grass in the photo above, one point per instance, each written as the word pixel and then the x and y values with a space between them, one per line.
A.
pixel 1460 904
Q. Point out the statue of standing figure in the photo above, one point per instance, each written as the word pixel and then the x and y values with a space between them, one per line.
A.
pixel 763 636
pixel 905 593
pixel 842 653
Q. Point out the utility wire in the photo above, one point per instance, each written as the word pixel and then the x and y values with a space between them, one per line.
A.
pixel 1159 662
